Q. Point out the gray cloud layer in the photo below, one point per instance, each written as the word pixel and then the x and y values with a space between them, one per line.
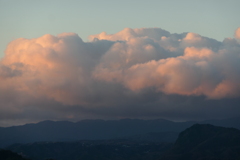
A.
pixel 135 73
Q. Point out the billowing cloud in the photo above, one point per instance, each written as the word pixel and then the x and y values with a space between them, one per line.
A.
pixel 237 33
pixel 190 65
pixel 133 73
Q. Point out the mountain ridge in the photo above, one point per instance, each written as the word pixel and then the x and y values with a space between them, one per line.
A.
pixel 95 129
pixel 198 142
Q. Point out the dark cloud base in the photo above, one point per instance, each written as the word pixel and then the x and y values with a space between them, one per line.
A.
pixel 136 73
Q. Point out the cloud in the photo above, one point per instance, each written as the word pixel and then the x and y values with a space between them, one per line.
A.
pixel 237 33
pixel 189 65
pixel 133 73
pixel 129 33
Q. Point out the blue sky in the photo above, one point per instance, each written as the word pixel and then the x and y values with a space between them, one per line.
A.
pixel 31 18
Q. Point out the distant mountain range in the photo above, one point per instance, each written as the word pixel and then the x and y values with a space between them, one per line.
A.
pixel 101 129
pixel 198 142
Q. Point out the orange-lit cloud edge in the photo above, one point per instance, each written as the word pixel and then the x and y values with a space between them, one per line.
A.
pixel 67 71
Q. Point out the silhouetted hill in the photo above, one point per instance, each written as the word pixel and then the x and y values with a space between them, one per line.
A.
pixel 9 155
pixel 86 130
pixel 206 142
pixel 198 142
pixel 98 130
pixel 92 150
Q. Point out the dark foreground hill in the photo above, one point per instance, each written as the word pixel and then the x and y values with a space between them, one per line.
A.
pixel 206 142
pixel 9 155
pixel 199 142
pixel 99 130
pixel 92 150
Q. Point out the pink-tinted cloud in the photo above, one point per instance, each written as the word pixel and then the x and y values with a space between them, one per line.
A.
pixel 129 33
pixel 201 67
pixel 75 78
pixel 237 33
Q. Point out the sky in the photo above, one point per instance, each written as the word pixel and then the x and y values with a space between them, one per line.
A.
pixel 74 60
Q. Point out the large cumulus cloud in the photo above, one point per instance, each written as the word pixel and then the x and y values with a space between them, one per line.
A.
pixel 133 73
pixel 185 64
